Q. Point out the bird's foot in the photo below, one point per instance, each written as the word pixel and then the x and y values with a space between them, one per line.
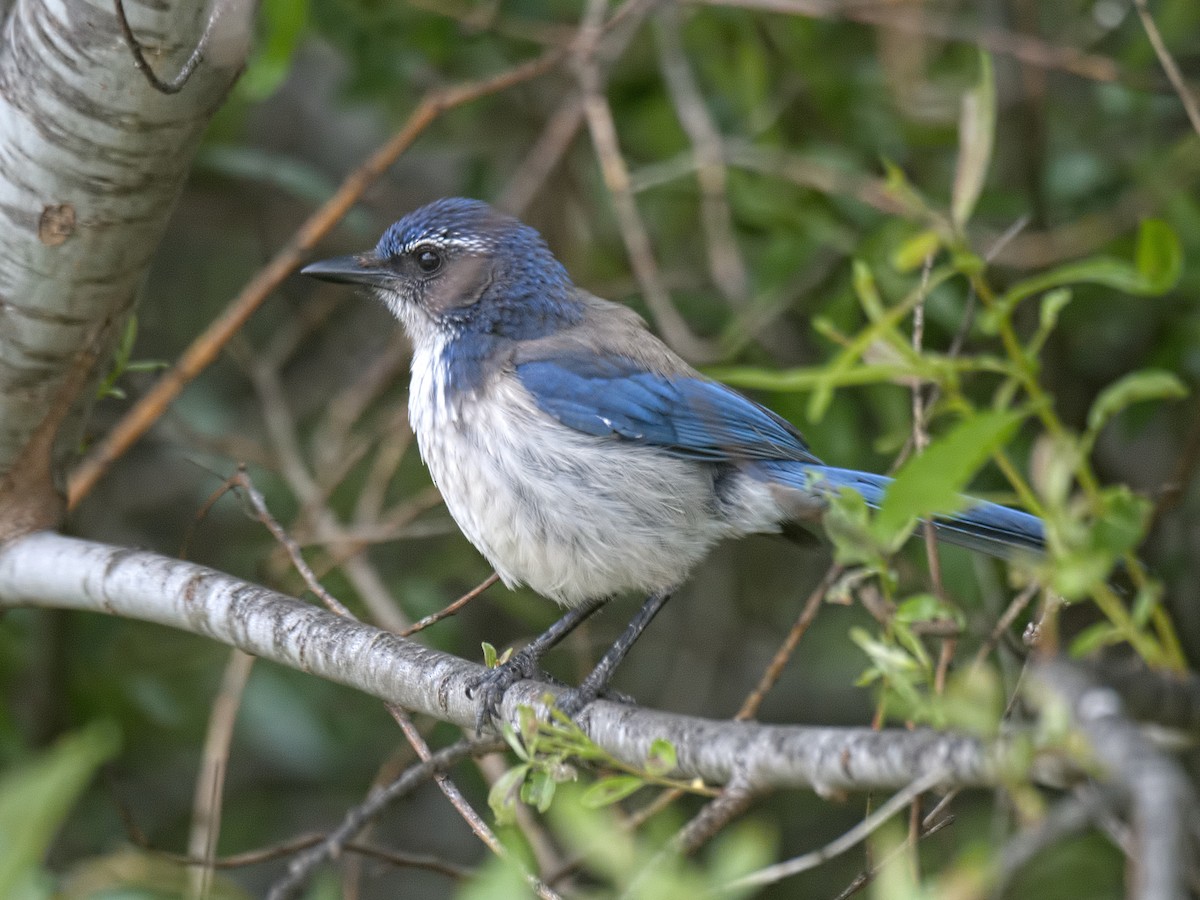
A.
pixel 491 686
pixel 572 702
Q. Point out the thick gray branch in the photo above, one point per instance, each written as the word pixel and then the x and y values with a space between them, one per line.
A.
pixel 46 569
pixel 1161 798
pixel 92 158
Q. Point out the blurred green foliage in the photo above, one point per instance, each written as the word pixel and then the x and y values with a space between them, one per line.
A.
pixel 1045 224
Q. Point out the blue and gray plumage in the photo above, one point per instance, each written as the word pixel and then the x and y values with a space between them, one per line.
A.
pixel 574 449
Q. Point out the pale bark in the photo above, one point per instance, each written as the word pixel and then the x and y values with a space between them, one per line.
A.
pixel 92 158
pixel 46 569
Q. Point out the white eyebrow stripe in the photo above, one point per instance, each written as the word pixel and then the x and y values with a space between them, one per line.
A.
pixel 444 242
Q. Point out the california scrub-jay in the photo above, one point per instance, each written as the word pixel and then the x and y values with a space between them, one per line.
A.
pixel 574 449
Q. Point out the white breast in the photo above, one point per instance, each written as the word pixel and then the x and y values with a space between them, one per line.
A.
pixel 573 517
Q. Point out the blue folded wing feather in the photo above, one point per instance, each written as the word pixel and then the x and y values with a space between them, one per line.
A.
pixel 685 415
pixel 692 417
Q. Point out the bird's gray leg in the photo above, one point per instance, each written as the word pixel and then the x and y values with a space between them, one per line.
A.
pixel 523 664
pixel 597 682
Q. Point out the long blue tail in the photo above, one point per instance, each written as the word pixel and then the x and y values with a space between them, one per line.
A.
pixel 984 527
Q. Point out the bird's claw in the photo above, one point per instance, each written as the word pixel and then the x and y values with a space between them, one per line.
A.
pixel 572 702
pixel 489 688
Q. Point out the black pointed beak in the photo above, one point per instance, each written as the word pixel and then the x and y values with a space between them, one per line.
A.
pixel 361 268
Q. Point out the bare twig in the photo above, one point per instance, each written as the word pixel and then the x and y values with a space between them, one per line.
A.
pixel 290 847
pixel 774 670
pixel 725 263
pixel 863 878
pixel 855 835
pixel 1186 96
pixel 204 349
pixel 313 495
pixel 175 85
pixel 613 168
pixel 259 504
pixel 305 863
pixel 1030 50
pixel 206 807
pixel 453 608
pixel 734 800
pixel 543 156
pixel 478 827
pixel 1068 817
pixel 1014 609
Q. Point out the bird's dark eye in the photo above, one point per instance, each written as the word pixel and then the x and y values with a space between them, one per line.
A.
pixel 428 259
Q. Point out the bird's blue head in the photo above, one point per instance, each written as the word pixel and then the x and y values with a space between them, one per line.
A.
pixel 459 266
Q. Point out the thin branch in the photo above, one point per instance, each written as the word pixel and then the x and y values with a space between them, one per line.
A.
pixel 1065 819
pixel 175 85
pixel 863 878
pixel 543 156
pixel 453 608
pixel 285 441
pixel 448 788
pixel 1014 609
pixel 615 171
pixel 1030 50
pixel 1186 97
pixel 293 845
pixel 259 504
pixel 855 835
pixel 718 812
pixel 206 807
pixel 305 863
pixel 205 348
pixel 726 267
pixel 774 670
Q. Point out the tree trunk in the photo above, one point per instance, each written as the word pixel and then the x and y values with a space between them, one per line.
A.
pixel 92 158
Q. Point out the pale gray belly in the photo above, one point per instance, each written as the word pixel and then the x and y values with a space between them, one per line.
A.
pixel 572 517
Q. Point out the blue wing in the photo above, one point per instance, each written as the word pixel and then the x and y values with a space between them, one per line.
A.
pixel 686 415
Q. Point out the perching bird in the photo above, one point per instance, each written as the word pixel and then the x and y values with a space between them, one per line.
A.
pixel 574 449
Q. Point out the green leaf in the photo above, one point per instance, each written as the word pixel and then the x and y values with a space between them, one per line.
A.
pixel 973 701
pixel 1095 637
pixel 36 796
pixel 1158 262
pixel 505 793
pixel 932 482
pixel 662 757
pixel 1148 384
pixel 514 741
pixel 847 524
pixel 1088 551
pixel 538 789
pixel 1053 303
pixel 613 789
pixel 976 129
pixel 489 655
pixel 284 24
pixel 925 608
pixel 1158 255
pixel 866 290
pixel 900 189
pixel 911 255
